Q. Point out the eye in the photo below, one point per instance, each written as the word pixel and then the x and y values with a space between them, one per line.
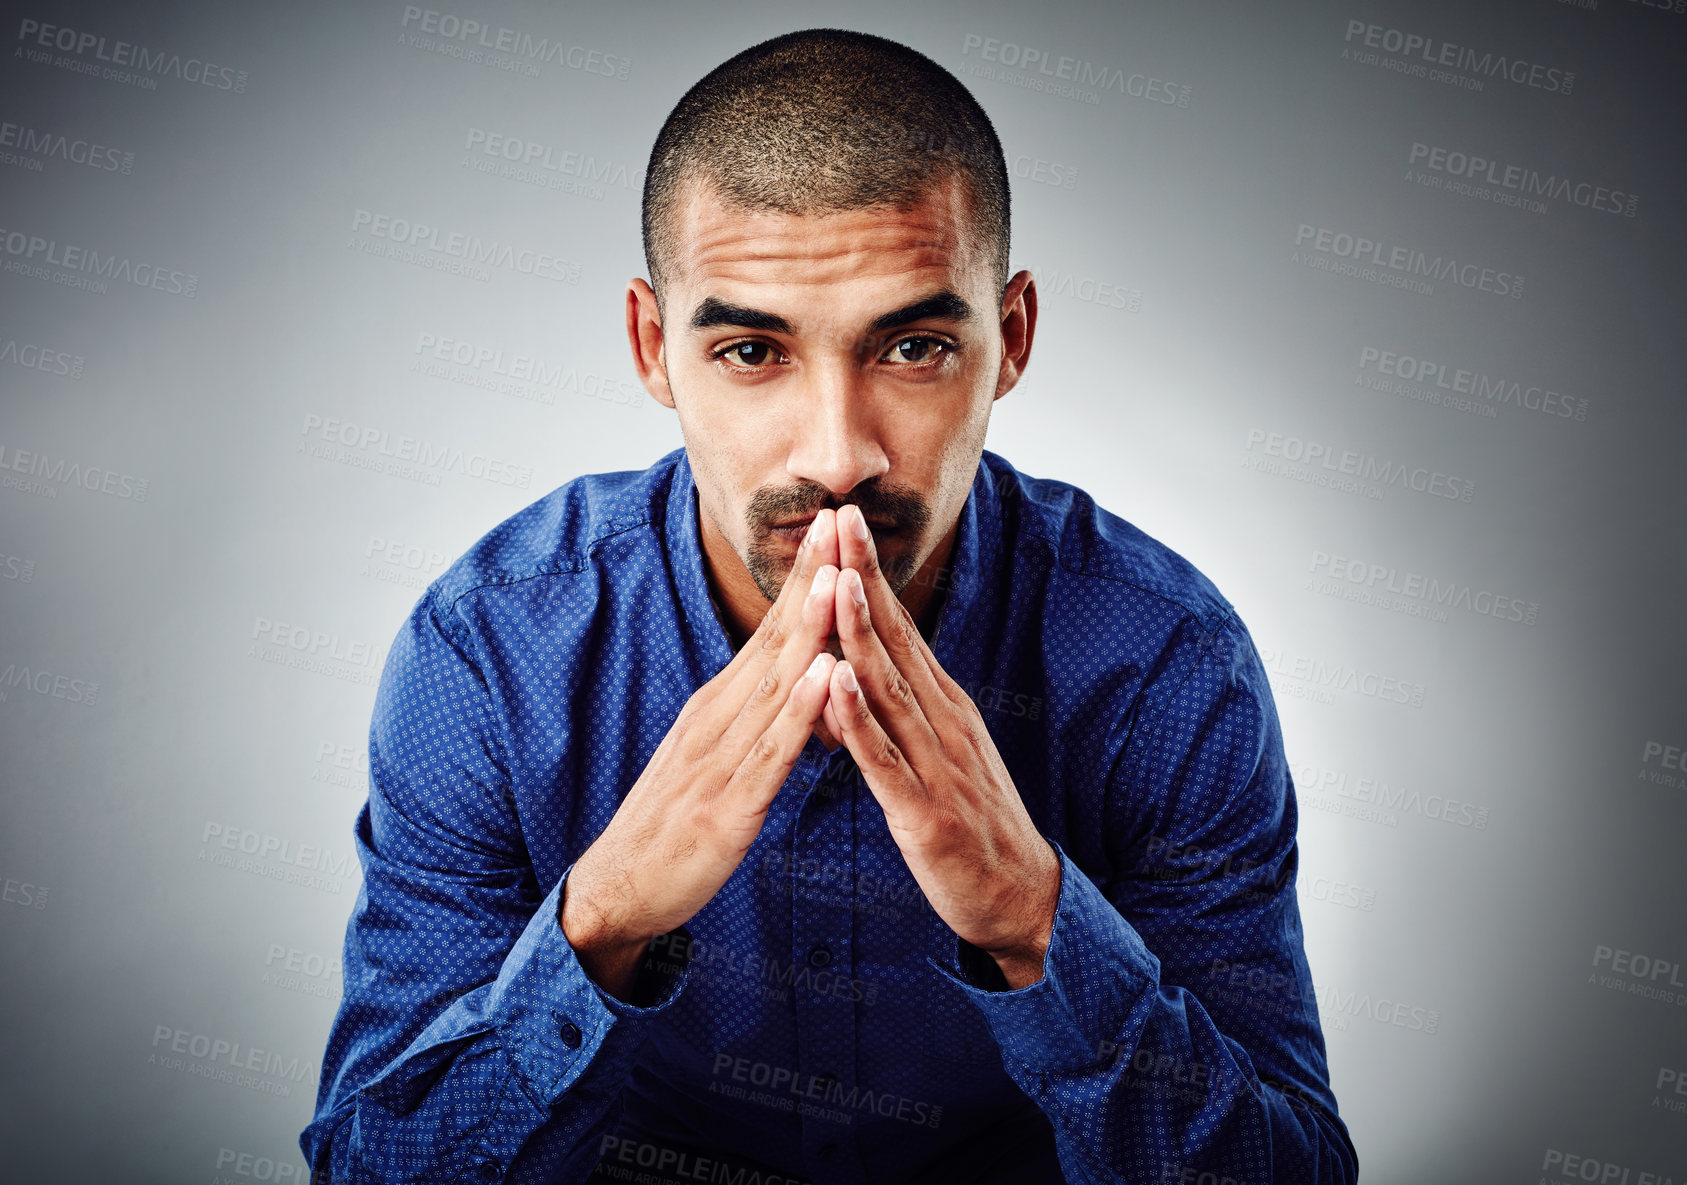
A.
pixel 912 351
pixel 750 355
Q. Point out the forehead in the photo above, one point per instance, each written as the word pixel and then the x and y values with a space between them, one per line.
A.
pixel 719 243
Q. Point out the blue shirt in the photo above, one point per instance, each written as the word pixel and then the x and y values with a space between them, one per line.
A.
pixel 816 1021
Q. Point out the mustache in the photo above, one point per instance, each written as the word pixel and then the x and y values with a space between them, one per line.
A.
pixel 881 502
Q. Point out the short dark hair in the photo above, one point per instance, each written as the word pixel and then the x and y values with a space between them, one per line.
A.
pixel 824 120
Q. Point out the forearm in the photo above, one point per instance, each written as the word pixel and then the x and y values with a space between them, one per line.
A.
pixel 1178 1098
pixel 1137 1077
pixel 539 1054
pixel 473 1117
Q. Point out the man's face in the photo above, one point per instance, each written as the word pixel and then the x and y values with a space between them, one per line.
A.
pixel 821 360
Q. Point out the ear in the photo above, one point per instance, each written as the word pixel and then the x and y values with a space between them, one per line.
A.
pixel 644 335
pixel 1019 326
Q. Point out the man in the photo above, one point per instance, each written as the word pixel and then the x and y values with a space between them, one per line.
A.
pixel 830 801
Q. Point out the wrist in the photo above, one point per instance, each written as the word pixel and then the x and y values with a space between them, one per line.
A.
pixel 1020 969
pixel 608 954
pixel 1021 957
pixel 587 925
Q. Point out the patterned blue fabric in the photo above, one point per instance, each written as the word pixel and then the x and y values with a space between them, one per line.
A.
pixel 817 1021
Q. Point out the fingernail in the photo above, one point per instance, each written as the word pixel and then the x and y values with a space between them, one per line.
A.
pixel 822 581
pixel 857 593
pixel 848 679
pixel 858 524
pixel 814 667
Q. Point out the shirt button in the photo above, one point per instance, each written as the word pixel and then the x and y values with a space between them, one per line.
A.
pixel 828 1151
pixel 820 956
pixel 570 1034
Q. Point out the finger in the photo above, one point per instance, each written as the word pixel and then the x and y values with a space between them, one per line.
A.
pixel 883 764
pixel 894 699
pixel 892 621
pixel 764 699
pixel 819 548
pixel 733 684
pixel 907 639
pixel 767 763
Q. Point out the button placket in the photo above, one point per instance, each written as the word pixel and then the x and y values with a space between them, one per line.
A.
pixel 821 952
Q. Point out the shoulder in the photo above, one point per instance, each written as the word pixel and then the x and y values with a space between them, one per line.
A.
pixel 1099 553
pixel 556 535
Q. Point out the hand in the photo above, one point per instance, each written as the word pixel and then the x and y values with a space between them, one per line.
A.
pixel 701 800
pixel 925 754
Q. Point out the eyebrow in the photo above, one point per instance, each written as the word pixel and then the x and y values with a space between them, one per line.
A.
pixel 944 305
pixel 716 313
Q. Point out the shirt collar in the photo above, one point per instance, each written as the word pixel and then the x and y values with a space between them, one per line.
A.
pixel 974 555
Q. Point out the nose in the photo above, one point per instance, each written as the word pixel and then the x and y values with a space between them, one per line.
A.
pixel 836 443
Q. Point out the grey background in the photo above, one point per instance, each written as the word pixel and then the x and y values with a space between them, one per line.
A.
pixel 1480 984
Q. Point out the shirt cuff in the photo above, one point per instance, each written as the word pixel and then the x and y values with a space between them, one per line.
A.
pixel 1096 971
pixel 556 1021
